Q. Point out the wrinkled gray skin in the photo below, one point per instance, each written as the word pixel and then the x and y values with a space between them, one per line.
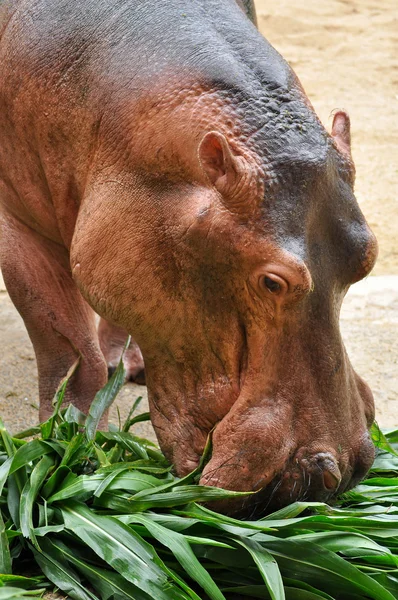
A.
pixel 160 160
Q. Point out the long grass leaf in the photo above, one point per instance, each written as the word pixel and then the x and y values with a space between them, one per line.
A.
pixel 121 548
pixel 87 484
pixel 181 549
pixel 12 593
pixel 75 450
pixel 57 478
pixel 261 591
pixel 63 576
pixel 7 440
pixel 25 583
pixel 318 565
pixel 47 428
pixel 29 453
pixel 380 440
pixel 29 494
pixel 107 583
pixel 267 566
pixel 4 472
pixel 5 556
pixel 19 479
pixel 175 497
pixel 104 398
pixel 128 422
pixel 341 541
pixel 13 499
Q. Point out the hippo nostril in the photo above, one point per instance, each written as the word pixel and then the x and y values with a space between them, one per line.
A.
pixel 331 480
pixel 324 470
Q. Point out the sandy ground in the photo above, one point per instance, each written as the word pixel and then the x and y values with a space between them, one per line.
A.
pixel 346 55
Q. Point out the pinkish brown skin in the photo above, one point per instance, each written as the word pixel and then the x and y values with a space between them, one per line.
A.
pixel 112 340
pixel 221 232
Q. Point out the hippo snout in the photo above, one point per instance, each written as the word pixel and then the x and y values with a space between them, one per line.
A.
pixel 307 475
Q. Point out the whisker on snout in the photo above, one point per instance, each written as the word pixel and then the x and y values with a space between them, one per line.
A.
pixel 293 490
pixel 216 469
pixel 273 493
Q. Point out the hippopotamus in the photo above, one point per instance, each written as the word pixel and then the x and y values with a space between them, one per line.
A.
pixel 162 167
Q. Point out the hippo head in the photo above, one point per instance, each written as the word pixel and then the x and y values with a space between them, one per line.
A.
pixel 248 341
pixel 234 269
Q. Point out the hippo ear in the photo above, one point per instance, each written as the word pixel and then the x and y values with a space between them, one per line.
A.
pixel 341 132
pixel 236 177
pixel 217 160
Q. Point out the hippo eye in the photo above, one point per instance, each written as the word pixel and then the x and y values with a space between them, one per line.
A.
pixel 271 285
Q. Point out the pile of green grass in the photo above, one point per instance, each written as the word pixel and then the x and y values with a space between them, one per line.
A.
pixel 99 515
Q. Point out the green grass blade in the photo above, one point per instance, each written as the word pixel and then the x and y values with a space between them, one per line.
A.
pixel 181 549
pixel 13 499
pixel 148 466
pixel 102 458
pixel 7 440
pixel 5 556
pixel 389 581
pixel 121 548
pixel 104 398
pixel 105 483
pixel 267 566
pixel 177 496
pixel 77 447
pixel 63 576
pixel 129 420
pixel 299 594
pixel 74 415
pixel 19 479
pixel 131 443
pixel 56 480
pixel 224 522
pixel 261 591
pixel 380 440
pixel 293 510
pixel 295 583
pixel 174 522
pixel 146 416
pixel 29 453
pixel 4 472
pixel 46 529
pixel 107 583
pixel 316 565
pixel 47 428
pixel 341 541
pixel 26 583
pixel 12 593
pixel 84 485
pixel 35 430
pixel 29 494
pixel 126 441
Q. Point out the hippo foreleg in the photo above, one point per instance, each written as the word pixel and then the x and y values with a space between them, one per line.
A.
pixel 60 323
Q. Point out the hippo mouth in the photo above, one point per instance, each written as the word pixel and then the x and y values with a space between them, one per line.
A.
pixel 279 493
pixel 306 477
